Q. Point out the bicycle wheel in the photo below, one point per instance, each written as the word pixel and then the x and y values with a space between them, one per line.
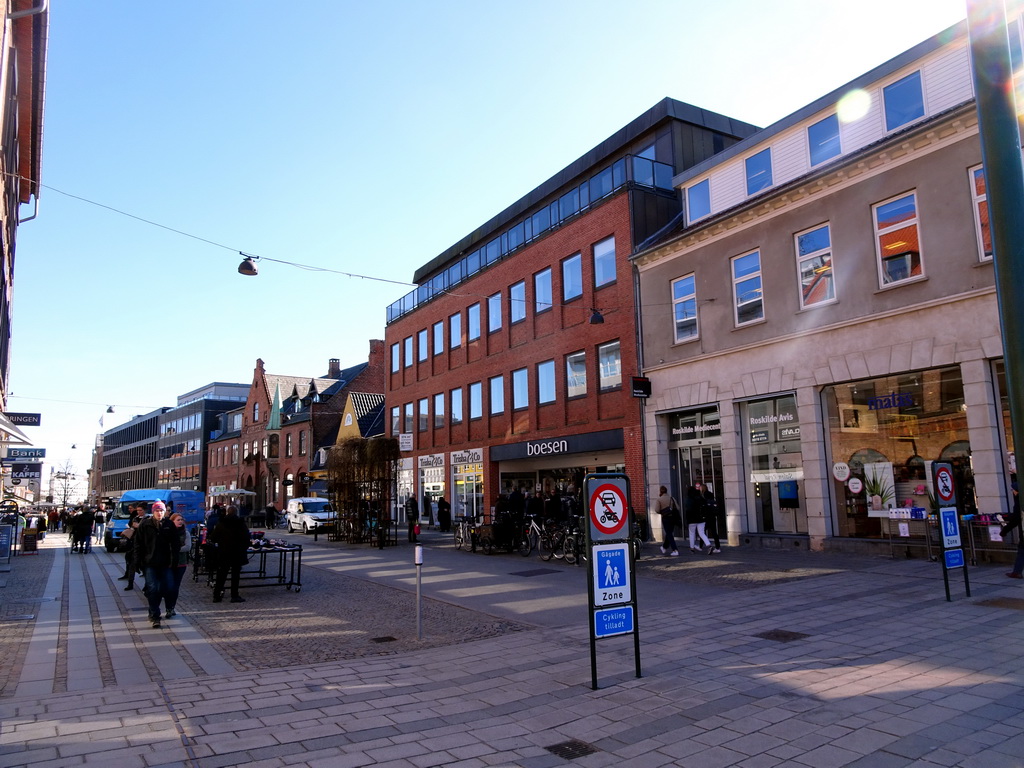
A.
pixel 460 537
pixel 558 547
pixel 545 548
pixel 569 549
pixel 638 547
pixel 487 544
pixel 525 545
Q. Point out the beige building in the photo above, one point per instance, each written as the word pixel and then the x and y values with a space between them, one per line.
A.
pixel 821 325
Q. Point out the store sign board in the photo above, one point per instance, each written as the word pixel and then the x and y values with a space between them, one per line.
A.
pixel 25 453
pixel 25 419
pixel 405 441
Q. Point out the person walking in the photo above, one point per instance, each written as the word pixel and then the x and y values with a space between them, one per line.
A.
pixel 666 506
pixel 100 526
pixel 231 539
pixel 412 516
pixel 714 520
pixel 696 518
pixel 1013 523
pixel 156 556
pixel 185 546
pixel 128 535
pixel 444 514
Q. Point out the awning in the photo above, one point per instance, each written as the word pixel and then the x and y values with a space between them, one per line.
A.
pixel 15 436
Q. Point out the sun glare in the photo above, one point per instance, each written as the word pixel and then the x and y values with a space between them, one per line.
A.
pixel 853 106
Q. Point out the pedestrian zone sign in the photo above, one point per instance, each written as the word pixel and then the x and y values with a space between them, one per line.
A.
pixel 950 528
pixel 611 574
pixel 954 558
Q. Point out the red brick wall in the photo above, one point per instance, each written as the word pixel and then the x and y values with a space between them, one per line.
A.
pixel 550 335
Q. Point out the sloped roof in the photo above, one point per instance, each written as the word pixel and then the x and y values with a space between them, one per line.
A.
pixel 368 408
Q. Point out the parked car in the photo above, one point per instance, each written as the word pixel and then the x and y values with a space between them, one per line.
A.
pixel 308 513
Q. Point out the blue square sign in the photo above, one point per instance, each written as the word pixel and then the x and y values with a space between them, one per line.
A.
pixel 954 558
pixel 613 621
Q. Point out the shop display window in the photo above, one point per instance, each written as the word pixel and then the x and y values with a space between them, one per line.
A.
pixel 888 431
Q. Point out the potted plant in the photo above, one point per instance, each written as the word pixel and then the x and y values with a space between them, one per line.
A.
pixel 878 488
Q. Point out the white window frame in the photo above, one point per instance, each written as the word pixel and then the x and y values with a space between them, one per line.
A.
pixel 977 201
pixel 838 135
pixel 680 300
pixel 803 258
pixel 736 303
pixel 760 184
pixel 924 103
pixel 880 232
pixel 691 192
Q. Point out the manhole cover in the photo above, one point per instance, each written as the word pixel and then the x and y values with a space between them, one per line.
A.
pixel 386 639
pixel 570 750
pixel 1004 602
pixel 781 635
pixel 535 572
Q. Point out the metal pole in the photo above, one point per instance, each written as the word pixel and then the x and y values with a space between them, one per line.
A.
pixel 419 592
pixel 1004 182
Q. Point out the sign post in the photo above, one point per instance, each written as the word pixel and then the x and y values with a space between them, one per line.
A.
pixel 611 577
pixel 949 524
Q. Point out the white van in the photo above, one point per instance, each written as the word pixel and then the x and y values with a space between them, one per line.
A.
pixel 307 513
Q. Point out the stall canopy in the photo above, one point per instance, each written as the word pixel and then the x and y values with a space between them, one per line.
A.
pixel 15 436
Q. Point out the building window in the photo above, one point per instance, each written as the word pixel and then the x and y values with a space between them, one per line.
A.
pixel 979 195
pixel 610 364
pixel 439 410
pixel 698 201
pixel 396 358
pixel 576 374
pixel 542 291
pixel 497 392
pixel 255 412
pixel 684 307
pixel 604 262
pixel 546 382
pixel 814 263
pixel 517 302
pixel 439 337
pixel 456 402
pixel 424 414
pixel 473 322
pixel 476 400
pixel 288 437
pixel 759 171
pixel 494 313
pixel 746 282
pixel 455 330
pixel 897 240
pixel 823 139
pixel 396 423
pixel 422 353
pixel 903 101
pixel 302 442
pixel 234 453
pixel 407 421
pixel 407 343
pixel 572 277
pixel 520 389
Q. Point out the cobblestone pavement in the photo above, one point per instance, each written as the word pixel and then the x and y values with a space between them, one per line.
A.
pixel 823 661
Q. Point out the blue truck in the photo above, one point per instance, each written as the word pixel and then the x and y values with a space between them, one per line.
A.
pixel 189 504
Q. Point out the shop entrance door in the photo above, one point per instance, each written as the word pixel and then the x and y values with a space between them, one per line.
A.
pixel 701 464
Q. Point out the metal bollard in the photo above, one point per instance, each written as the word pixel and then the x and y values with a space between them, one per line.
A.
pixel 419 596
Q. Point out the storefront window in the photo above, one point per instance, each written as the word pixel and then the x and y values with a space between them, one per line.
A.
pixel 1004 406
pixel 889 431
pixel 468 494
pixel 775 480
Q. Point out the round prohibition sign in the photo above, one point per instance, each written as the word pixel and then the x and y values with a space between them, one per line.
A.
pixel 608 509
pixel 944 483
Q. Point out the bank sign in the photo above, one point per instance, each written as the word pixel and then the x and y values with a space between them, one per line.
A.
pixel 23 454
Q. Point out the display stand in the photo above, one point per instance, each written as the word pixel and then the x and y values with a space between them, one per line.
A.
pixel 910 527
pixel 983 536
pixel 269 566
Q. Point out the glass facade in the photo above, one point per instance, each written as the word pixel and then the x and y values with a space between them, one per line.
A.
pixel 888 431
pixel 775 472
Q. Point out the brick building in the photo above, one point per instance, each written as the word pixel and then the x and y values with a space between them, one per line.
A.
pixel 267 447
pixel 507 364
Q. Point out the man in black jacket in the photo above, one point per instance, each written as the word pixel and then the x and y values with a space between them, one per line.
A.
pixel 231 538
pixel 156 557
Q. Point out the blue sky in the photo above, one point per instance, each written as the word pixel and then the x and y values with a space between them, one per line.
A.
pixel 361 137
